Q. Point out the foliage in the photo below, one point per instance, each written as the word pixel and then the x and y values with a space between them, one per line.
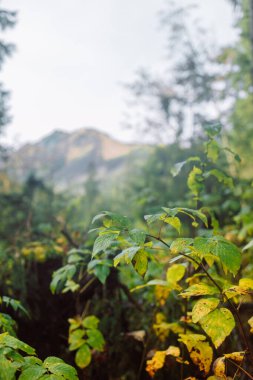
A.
pixel 205 277
pixel 19 361
pixel 84 336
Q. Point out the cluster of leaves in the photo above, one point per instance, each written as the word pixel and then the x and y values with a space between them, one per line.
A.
pixel 84 337
pixel 18 360
pixel 206 277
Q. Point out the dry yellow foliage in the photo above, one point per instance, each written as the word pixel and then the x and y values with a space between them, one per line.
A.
pixel 156 363
pixel 236 356
pixel 161 294
pixel 158 360
pixel 250 322
pixel 203 307
pixel 138 335
pixel 173 351
pixel 200 352
pixel 162 328
pixel 219 368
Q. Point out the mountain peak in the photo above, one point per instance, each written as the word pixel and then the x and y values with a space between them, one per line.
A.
pixel 64 158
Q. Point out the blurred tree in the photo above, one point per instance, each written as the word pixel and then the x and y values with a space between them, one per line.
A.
pixel 179 103
pixel 7 20
pixel 237 61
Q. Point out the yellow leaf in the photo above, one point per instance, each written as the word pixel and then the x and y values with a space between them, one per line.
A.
pixel 235 291
pixel 199 290
pixel 236 356
pixel 200 352
pixel 173 351
pixel 161 294
pixel 155 363
pixel 175 273
pixel 218 325
pixel 203 307
pixel 250 322
pixel 160 317
pixel 219 368
pixel 158 360
pixel 246 283
pixel 174 221
pixel 162 328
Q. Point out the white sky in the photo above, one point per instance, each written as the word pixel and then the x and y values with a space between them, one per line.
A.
pixel 72 57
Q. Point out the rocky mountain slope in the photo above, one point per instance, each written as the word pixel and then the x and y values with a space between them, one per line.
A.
pixel 67 159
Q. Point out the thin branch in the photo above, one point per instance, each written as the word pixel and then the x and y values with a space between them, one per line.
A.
pixel 129 296
pixel 241 369
pixel 69 238
pixel 87 285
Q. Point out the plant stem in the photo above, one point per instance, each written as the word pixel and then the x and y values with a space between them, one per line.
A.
pixel 241 369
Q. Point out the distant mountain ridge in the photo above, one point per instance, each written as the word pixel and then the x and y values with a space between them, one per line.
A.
pixel 66 159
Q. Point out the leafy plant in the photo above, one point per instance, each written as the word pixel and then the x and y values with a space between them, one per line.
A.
pixel 18 360
pixel 206 280
pixel 84 337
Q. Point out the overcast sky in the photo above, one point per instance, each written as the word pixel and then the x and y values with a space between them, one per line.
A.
pixel 72 57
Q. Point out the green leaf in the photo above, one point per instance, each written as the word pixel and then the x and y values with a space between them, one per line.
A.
pixel 97 217
pixel 179 165
pixel 71 286
pixel 181 245
pixel 15 304
pixel 61 276
pixel 91 322
pixel 7 340
pixel 228 254
pixel 153 218
pixel 76 339
pixel 199 290
pixel 117 220
pixel 104 241
pixel 194 181
pixel 14 356
pixel 175 273
pixel 7 370
pixel 236 156
pixel 203 307
pixel 32 360
pixel 83 356
pixel 7 324
pixel 33 372
pixel 218 325
pixel 95 339
pixel 213 150
pixel 126 255
pixel 140 263
pixel 51 377
pixel 62 369
pixel 57 367
pixel 138 236
pixel 195 214
pixel 101 272
pixel 50 360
